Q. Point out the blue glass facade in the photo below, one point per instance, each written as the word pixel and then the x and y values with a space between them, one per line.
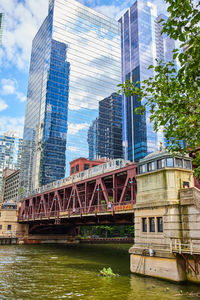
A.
pixel 55 120
pixel 105 133
pixel 138 46
pixel 45 129
pixel 75 63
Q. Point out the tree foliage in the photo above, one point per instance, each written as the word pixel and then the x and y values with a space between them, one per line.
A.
pixel 171 96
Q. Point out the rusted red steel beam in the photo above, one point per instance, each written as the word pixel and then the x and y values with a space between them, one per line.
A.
pixel 91 190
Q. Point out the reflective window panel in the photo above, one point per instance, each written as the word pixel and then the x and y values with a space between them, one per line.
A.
pixel 72 106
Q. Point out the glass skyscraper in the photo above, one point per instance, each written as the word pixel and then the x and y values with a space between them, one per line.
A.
pixel 10 153
pixel 141 44
pixel 2 15
pixel 105 133
pixel 75 63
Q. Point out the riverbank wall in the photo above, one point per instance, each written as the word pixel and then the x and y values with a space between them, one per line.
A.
pixel 107 241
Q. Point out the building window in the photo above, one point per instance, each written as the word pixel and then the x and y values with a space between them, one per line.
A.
pixel 187 164
pixel 186 184
pixel 142 169
pixel 9 227
pixel 151 166
pixel 144 224
pixel 160 224
pixel 72 170
pixel 77 168
pixel 152 224
pixel 0 227
pixel 86 166
pixel 160 163
pixel 178 162
pixel 170 162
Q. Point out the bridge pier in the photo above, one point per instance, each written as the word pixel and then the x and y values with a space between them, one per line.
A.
pixel 167 222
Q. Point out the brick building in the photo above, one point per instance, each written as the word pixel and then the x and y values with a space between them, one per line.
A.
pixel 81 164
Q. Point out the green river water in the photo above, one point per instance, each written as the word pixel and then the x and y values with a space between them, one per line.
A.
pixel 72 272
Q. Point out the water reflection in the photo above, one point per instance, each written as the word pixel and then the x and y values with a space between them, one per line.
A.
pixel 72 272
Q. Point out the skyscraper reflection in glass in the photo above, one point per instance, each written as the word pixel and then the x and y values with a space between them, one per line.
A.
pixel 141 44
pixel 105 133
pixel 75 63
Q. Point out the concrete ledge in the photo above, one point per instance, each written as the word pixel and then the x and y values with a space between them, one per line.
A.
pixel 156 204
pixel 160 253
pixel 165 268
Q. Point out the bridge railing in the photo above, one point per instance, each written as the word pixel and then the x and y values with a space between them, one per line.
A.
pixel 79 211
pixel 190 246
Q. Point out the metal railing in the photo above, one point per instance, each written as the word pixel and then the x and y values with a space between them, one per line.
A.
pixel 190 246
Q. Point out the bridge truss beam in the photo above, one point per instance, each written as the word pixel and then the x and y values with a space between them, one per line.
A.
pixel 109 192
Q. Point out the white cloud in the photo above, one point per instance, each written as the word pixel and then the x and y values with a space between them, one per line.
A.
pixel 3 105
pixel 73 149
pixel 22 21
pixel 111 11
pixel 10 87
pixel 114 10
pixel 9 124
pixel 74 128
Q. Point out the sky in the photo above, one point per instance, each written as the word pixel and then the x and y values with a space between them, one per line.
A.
pixel 22 21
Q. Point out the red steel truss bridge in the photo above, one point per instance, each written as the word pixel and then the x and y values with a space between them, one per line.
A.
pixel 104 194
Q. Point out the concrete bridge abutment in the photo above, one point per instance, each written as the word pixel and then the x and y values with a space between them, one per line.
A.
pixel 167 222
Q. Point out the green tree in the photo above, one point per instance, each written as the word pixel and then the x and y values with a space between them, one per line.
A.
pixel 173 98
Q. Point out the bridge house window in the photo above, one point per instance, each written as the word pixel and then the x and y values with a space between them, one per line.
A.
pixel 151 166
pixel 178 162
pixel 186 184
pixel 142 169
pixel 144 224
pixel 170 162
pixel 9 227
pixel 72 170
pixel 187 164
pixel 77 168
pixel 160 224
pixel 152 224
pixel 160 163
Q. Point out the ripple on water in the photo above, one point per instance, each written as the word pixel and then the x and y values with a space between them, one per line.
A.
pixel 72 272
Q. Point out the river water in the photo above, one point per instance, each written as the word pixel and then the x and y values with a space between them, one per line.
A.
pixel 72 272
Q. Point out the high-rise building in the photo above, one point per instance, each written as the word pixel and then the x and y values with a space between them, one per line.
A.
pixel 141 44
pixel 10 185
pixel 105 133
pixel 164 44
pixel 10 153
pixel 75 63
pixel 2 15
